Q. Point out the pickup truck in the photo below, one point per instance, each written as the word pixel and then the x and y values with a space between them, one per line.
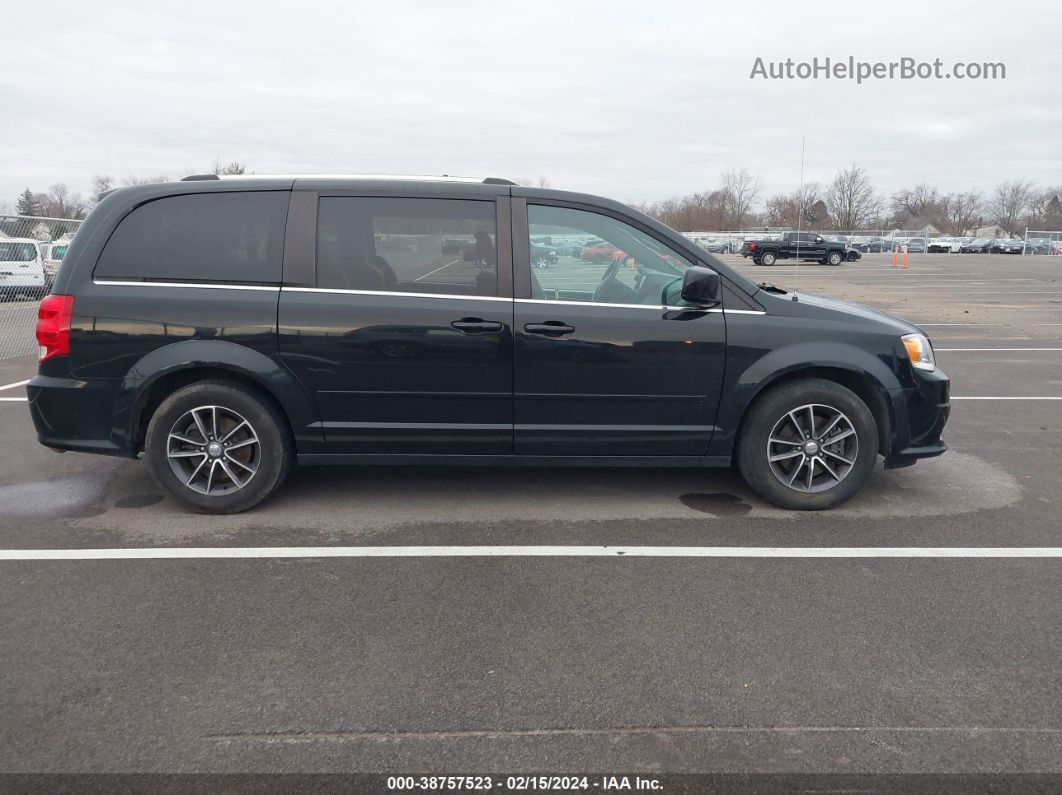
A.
pixel 795 245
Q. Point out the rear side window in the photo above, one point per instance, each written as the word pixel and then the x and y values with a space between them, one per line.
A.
pixel 200 237
pixel 407 245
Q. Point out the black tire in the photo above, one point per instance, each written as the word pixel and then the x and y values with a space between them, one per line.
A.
pixel 768 258
pixel 772 408
pixel 272 456
pixel 834 258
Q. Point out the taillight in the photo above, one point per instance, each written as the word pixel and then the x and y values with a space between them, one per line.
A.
pixel 752 246
pixel 53 325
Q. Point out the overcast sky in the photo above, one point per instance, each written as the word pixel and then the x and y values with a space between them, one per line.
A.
pixel 637 101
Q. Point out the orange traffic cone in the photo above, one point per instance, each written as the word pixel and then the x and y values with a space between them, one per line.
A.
pixel 905 257
pixel 895 256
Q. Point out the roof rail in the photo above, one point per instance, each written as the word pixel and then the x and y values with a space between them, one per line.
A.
pixel 425 178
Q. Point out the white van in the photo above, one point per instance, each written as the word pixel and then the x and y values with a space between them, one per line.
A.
pixel 53 254
pixel 21 269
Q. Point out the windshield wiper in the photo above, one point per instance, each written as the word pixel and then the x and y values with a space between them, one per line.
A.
pixel 770 288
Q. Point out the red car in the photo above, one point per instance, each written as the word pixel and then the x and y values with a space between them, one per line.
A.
pixel 599 252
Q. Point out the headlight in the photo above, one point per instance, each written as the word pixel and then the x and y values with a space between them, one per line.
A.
pixel 919 351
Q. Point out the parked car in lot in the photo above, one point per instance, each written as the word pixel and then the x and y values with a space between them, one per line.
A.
pixel 1037 245
pixel 599 252
pixel 21 269
pixel 796 245
pixel 916 245
pixel 943 245
pixel 976 246
pixel 869 245
pixel 543 255
pixel 230 328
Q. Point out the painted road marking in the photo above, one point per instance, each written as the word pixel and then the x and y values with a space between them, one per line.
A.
pixel 955 350
pixel 14 400
pixel 986 397
pixel 196 553
pixel 12 386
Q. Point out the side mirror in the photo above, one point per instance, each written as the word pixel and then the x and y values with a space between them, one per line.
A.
pixel 819 240
pixel 701 286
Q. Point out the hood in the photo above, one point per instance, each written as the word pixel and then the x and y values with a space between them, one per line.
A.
pixel 849 310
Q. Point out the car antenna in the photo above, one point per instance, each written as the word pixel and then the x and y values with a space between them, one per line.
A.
pixel 800 220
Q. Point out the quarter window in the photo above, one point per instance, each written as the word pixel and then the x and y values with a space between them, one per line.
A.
pixel 585 256
pixel 201 237
pixel 407 245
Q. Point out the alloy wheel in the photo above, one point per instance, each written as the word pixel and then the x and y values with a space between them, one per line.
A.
pixel 213 450
pixel 812 448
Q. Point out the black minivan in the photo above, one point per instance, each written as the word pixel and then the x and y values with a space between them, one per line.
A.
pixel 229 328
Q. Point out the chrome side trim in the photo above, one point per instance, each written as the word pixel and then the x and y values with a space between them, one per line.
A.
pixel 194 285
pixel 558 302
pixel 336 291
pixel 657 307
pixel 397 294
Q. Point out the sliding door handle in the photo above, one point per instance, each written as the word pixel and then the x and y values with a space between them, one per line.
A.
pixel 551 328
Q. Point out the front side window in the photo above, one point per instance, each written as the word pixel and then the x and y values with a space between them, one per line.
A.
pixel 578 255
pixel 407 245
pixel 200 237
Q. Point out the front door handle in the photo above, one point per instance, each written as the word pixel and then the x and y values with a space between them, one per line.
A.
pixel 551 328
pixel 475 325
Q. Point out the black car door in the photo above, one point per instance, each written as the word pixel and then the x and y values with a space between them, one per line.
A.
pixel 604 367
pixel 403 330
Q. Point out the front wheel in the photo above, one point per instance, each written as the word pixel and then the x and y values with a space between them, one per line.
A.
pixel 834 258
pixel 807 445
pixel 218 447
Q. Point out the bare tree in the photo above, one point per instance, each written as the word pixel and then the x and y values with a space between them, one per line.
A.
pixel 60 202
pixel 133 179
pixel 796 209
pixel 851 200
pixel 528 182
pixel 231 168
pixel 1044 211
pixel 962 212
pixel 921 203
pixel 739 189
pixel 1009 204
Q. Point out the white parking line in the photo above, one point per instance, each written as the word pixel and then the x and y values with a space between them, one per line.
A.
pixel 12 386
pixel 14 400
pixel 197 553
pixel 429 273
pixel 956 350
pixel 987 397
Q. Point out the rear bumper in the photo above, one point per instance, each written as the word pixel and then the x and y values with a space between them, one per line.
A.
pixel 71 414
pixel 919 416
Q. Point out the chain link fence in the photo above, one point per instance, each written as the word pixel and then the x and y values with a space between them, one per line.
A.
pixel 31 249
pixel 1042 242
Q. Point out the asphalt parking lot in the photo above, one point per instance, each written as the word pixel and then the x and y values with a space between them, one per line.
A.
pixel 559 663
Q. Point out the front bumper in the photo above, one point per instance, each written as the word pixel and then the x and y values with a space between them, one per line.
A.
pixel 920 413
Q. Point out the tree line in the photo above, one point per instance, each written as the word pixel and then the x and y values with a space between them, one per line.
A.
pixel 61 202
pixel 850 202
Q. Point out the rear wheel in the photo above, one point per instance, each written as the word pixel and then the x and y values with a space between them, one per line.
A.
pixel 218 447
pixel 808 445
pixel 767 258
